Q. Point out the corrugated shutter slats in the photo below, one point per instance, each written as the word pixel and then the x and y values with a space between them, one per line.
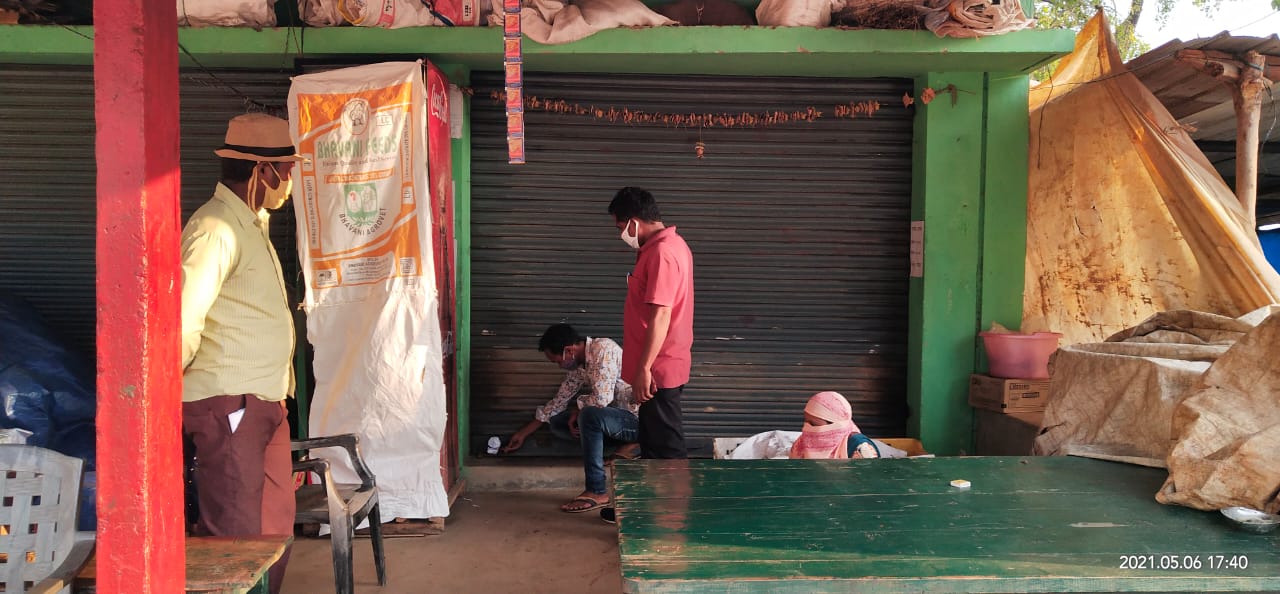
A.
pixel 799 234
pixel 47 183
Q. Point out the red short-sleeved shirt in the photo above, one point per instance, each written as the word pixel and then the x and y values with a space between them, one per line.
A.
pixel 663 276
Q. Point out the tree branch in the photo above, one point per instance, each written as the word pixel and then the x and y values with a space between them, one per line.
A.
pixel 1130 22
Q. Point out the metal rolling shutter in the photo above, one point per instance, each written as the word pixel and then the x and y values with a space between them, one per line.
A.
pixel 47 195
pixel 799 234
pixel 47 183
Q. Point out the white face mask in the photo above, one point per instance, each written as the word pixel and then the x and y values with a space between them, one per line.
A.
pixel 276 196
pixel 632 240
pixel 272 198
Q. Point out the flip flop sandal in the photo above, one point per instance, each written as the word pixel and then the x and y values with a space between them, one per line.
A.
pixel 632 456
pixel 577 510
pixel 615 457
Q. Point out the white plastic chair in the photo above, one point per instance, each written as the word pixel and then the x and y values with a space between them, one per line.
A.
pixel 39 510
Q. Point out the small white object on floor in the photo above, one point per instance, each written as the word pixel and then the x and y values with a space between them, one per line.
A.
pixel 960 484
pixel 495 442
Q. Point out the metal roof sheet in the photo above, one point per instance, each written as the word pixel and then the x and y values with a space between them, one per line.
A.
pixel 1204 104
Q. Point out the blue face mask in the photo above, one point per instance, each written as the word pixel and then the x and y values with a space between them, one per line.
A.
pixel 568 363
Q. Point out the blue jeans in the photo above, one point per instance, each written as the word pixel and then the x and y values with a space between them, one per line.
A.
pixel 597 425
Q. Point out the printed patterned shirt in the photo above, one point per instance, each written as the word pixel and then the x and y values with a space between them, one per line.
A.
pixel 601 374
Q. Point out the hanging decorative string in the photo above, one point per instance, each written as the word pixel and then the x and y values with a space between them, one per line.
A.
pixel 513 63
pixel 853 110
pixel 624 115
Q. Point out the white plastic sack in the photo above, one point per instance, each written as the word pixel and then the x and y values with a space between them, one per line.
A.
pixel 393 14
pixel 320 13
pixel 797 13
pixel 364 240
pixel 387 14
pixel 227 13
pixel 772 445
pixel 14 436
pixel 561 21
pixel 765 446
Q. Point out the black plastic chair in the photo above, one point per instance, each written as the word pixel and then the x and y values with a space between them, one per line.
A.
pixel 341 506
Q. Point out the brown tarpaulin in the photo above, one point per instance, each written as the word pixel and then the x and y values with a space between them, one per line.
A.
pixel 1119 396
pixel 1228 430
pixel 1125 216
pixel 1190 391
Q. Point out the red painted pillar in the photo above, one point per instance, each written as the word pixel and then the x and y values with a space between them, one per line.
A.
pixel 140 511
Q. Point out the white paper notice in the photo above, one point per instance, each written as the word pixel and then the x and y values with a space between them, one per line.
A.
pixel 917 249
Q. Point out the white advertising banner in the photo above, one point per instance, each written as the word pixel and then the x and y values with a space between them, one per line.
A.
pixel 363 238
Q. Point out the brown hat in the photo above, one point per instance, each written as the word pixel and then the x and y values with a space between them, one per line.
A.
pixel 258 137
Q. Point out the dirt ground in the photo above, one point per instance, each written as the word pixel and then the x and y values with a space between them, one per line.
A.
pixel 494 542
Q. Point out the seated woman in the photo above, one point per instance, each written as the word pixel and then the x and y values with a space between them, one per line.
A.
pixel 829 431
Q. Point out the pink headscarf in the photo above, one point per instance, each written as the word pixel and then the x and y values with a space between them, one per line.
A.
pixel 826 441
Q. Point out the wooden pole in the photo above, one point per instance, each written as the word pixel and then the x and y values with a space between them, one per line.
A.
pixel 1247 96
pixel 1247 77
pixel 140 547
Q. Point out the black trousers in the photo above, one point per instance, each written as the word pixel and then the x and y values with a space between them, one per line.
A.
pixel 662 425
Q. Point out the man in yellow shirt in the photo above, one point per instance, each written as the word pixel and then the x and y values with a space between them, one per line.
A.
pixel 238 340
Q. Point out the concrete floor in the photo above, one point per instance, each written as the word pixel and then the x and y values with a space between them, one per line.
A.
pixel 494 542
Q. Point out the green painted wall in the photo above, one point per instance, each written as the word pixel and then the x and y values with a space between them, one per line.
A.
pixel 970 189
pixel 777 51
pixel 461 75
pixel 947 196
pixel 969 163
pixel 1004 206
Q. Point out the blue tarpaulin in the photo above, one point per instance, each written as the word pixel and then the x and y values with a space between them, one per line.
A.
pixel 48 390
pixel 1271 246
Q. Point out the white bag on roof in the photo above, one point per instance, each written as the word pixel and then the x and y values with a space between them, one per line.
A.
pixel 797 13
pixel 387 14
pixel 227 13
pixel 565 21
pixel 394 14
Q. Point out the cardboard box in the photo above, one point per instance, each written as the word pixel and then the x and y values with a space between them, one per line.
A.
pixel 1005 433
pixel 1008 395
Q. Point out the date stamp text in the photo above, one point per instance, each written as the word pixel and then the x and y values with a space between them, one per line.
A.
pixel 1184 562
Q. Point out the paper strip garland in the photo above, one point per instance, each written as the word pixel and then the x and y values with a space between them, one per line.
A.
pixel 513 62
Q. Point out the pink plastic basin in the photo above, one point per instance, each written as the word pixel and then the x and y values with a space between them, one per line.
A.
pixel 1019 356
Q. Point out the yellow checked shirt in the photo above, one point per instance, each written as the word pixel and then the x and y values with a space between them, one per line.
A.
pixel 237 331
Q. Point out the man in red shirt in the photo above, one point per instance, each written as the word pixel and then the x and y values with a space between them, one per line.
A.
pixel 657 321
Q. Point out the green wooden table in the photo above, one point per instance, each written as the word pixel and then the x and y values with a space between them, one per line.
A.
pixel 216 564
pixel 232 564
pixel 1027 524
